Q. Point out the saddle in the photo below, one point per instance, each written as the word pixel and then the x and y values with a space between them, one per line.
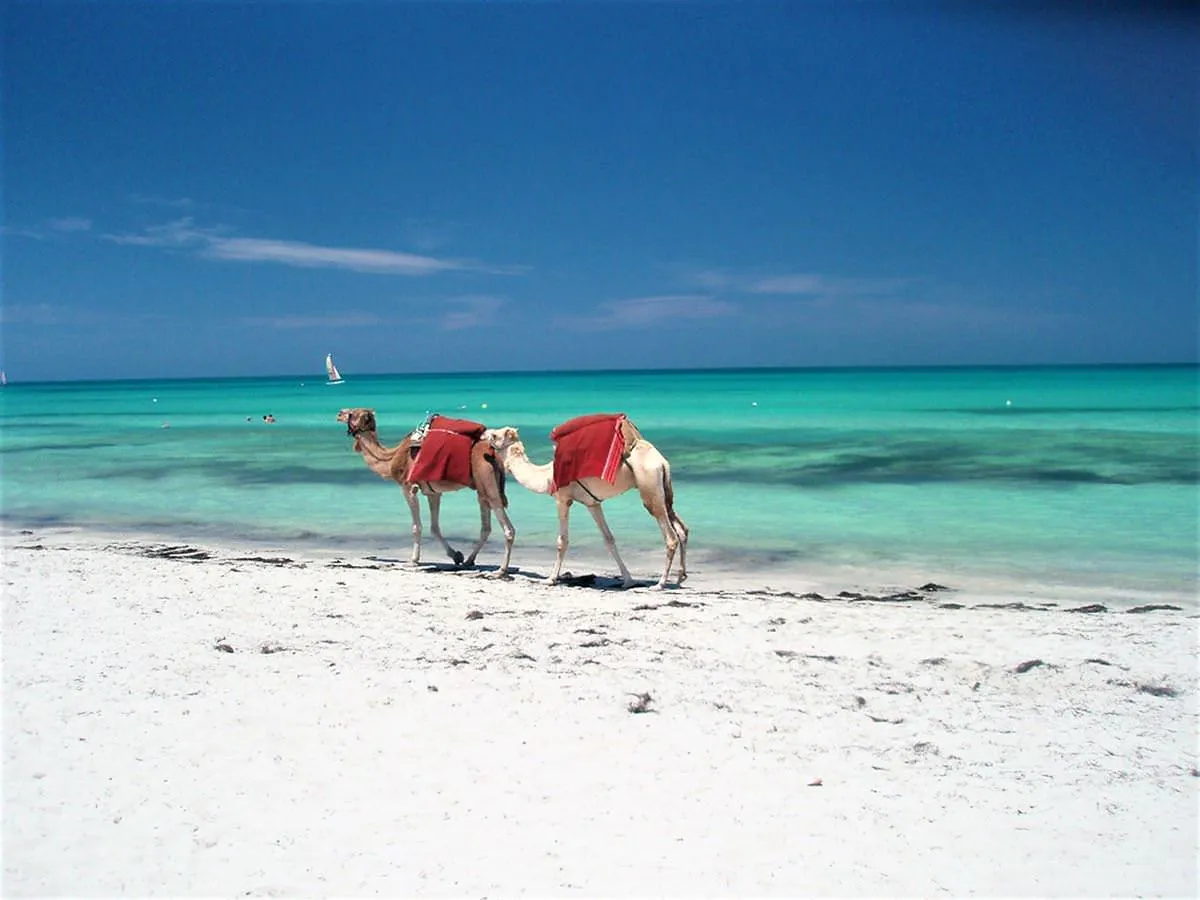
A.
pixel 444 452
pixel 590 446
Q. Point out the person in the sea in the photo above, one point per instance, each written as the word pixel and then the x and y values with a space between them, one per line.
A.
pixel 268 418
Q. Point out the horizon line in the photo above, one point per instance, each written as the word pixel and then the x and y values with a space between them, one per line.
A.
pixel 912 367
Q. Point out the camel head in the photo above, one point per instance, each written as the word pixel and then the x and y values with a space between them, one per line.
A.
pixel 501 439
pixel 506 442
pixel 358 420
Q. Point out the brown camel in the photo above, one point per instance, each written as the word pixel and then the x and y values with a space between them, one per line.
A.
pixel 641 466
pixel 487 480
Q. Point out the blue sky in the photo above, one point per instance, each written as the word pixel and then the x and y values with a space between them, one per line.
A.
pixel 224 188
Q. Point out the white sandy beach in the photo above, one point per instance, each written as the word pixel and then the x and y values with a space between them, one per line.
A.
pixel 303 725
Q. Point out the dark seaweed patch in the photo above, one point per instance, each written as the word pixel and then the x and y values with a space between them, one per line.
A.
pixel 60 446
pixel 1029 458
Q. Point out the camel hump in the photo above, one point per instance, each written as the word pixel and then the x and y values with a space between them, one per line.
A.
pixel 465 427
pixel 580 423
pixel 630 434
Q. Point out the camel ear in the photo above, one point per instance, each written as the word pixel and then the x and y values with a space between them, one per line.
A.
pixel 499 437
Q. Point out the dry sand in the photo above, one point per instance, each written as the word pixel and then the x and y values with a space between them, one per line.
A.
pixel 179 725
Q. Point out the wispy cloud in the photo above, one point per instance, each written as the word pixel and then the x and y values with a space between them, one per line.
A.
pixel 311 256
pixel 215 243
pixel 803 284
pixel 853 306
pixel 827 286
pixel 427 234
pixel 940 315
pixel 51 227
pixel 179 233
pixel 470 312
pixel 636 312
pixel 299 322
pixel 169 202
pixel 24 231
pixel 453 314
pixel 71 224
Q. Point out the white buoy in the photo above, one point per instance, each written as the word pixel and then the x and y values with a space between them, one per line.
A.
pixel 483 406
pixel 754 403
pixel 1008 403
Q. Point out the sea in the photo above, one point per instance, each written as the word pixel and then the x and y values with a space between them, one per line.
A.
pixel 1052 475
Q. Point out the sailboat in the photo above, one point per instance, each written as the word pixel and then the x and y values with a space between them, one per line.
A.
pixel 3 379
pixel 335 377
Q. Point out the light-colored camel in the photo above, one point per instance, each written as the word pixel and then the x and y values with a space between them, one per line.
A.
pixel 394 463
pixel 642 467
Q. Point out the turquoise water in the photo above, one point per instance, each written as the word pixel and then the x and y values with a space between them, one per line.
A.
pixel 1079 474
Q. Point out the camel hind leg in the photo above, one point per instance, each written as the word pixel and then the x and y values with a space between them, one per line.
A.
pixel 485 530
pixel 489 478
pixel 671 539
pixel 680 528
pixel 611 542
pixel 652 474
pixel 510 536
pixel 435 526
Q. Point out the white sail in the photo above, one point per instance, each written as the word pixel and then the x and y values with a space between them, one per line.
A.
pixel 335 377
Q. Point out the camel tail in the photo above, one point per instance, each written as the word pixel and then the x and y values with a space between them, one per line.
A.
pixel 669 497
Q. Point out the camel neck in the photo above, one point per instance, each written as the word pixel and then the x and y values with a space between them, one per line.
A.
pixel 532 477
pixel 377 456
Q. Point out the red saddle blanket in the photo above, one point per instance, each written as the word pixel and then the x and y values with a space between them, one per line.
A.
pixel 588 447
pixel 445 453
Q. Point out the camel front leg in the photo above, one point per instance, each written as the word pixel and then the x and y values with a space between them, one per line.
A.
pixel 414 507
pixel 564 514
pixel 611 543
pixel 435 526
pixel 485 529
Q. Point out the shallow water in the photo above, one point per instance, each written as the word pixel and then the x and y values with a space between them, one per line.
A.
pixel 1073 474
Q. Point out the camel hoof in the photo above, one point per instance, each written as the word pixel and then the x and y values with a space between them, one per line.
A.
pixel 457 557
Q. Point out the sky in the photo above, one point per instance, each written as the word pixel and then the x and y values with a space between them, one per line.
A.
pixel 226 188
